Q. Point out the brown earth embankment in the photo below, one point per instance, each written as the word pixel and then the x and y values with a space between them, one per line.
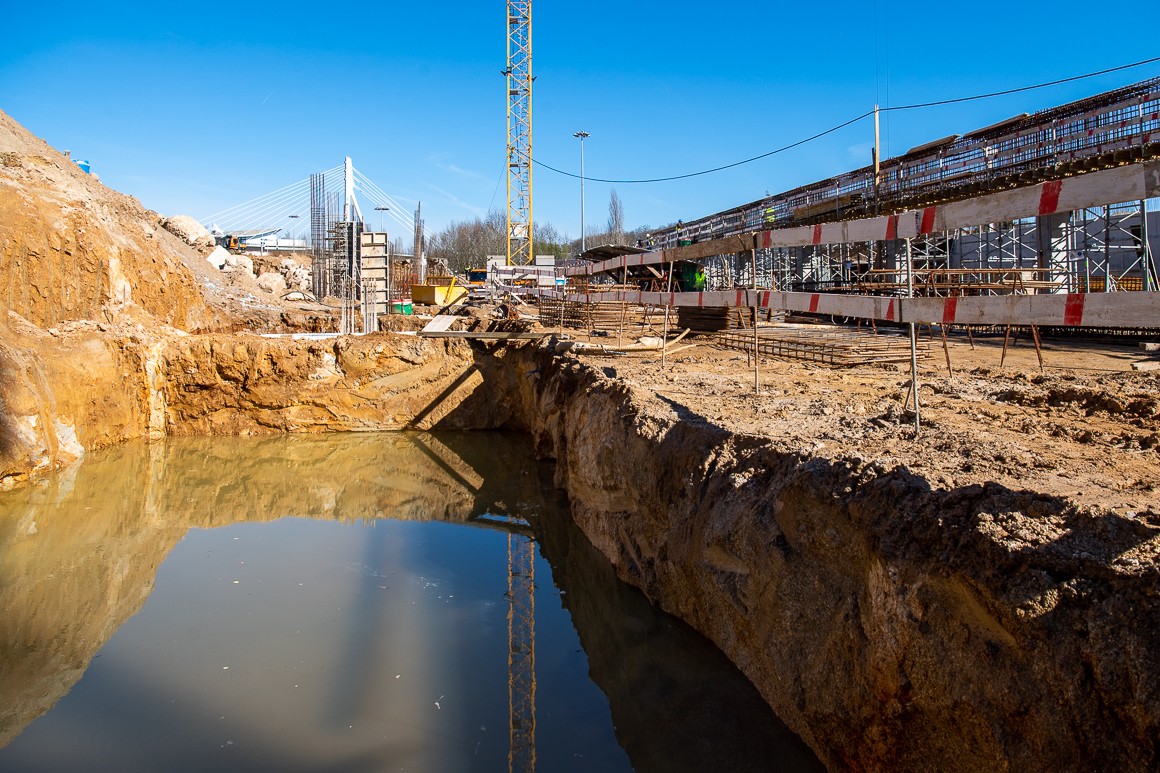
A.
pixel 66 394
pixel 893 625
pixel 985 597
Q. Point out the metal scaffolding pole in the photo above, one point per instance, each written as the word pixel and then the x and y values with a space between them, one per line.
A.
pixel 913 340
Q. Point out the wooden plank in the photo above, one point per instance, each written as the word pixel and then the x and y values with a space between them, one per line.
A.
pixel 698 251
pixel 440 323
pixel 1152 180
pixel 497 336
pixel 1108 186
pixel 1120 309
pixel 867 229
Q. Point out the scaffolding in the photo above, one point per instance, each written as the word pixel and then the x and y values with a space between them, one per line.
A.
pixel 1097 249
pixel 319 229
pixel 1109 251
pixel 1103 249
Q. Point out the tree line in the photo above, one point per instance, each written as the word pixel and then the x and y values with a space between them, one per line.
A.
pixel 465 244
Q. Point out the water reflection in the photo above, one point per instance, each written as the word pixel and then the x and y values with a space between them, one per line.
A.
pixel 310 644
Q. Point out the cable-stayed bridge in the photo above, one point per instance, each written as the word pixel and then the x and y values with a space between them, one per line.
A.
pixel 331 217
pixel 289 218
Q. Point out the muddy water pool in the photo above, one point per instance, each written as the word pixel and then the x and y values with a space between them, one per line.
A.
pixel 343 602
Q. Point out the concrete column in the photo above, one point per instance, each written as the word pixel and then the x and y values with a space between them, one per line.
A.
pixel 1054 232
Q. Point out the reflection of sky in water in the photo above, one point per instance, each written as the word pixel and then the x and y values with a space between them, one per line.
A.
pixel 305 644
pixel 320 603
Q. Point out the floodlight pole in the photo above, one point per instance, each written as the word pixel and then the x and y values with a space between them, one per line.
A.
pixel 581 135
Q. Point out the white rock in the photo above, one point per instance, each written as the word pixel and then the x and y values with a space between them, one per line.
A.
pixel 242 262
pixel 68 447
pixel 189 231
pixel 297 277
pixel 218 258
pixel 272 283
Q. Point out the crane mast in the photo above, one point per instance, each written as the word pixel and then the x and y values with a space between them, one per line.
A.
pixel 521 653
pixel 521 548
pixel 519 132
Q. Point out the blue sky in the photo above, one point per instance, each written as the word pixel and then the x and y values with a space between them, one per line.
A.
pixel 194 112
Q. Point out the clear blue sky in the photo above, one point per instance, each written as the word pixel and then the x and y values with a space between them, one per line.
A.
pixel 195 111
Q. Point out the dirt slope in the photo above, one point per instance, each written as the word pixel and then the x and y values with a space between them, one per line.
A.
pixel 982 597
pixel 91 289
pixel 72 249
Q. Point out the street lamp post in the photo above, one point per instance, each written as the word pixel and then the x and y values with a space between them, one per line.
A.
pixel 290 230
pixel 381 209
pixel 581 135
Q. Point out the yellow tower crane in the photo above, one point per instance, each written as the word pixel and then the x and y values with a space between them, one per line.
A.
pixel 521 547
pixel 521 653
pixel 519 132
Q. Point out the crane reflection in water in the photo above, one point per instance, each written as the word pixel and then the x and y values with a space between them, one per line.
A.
pixel 315 602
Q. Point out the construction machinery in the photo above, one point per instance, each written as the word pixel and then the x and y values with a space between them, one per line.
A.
pixel 477 278
pixel 230 242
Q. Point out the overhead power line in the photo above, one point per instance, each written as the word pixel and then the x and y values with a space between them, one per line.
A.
pixel 854 120
pixel 1021 88
pixel 720 168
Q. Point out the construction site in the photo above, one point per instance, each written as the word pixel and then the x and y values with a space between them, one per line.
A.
pixel 889 441
pixel 1054 203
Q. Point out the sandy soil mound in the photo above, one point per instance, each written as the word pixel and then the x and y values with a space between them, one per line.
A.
pixel 92 285
pixel 72 249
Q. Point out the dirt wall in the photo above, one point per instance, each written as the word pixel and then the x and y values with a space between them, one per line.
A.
pixel 65 394
pixel 893 626
pixel 62 394
pixel 245 384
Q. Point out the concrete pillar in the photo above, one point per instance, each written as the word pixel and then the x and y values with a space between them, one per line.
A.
pixel 1054 232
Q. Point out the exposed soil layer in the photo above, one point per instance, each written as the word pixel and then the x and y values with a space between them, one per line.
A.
pixel 244 385
pixel 982 598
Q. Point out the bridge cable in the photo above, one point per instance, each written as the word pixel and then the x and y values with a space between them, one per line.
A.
pixel 237 209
